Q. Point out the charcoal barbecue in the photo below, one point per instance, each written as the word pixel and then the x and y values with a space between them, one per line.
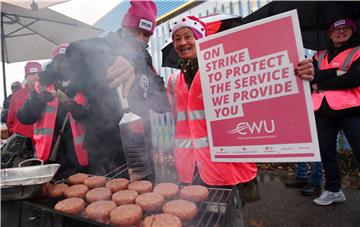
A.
pixel 222 208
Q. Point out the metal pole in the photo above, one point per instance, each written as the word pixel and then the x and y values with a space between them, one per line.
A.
pixel 3 53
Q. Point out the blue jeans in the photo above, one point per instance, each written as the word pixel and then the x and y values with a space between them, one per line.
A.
pixel 328 129
pixel 315 178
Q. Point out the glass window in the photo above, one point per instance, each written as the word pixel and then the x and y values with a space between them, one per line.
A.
pixel 249 7
pixel 258 4
pixel 240 8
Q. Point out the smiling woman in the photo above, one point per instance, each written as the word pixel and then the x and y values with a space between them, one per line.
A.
pixel 336 92
pixel 341 33
pixel 185 89
pixel 184 43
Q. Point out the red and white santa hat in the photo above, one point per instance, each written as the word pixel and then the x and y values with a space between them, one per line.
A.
pixel 196 25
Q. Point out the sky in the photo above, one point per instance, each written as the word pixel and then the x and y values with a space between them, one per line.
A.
pixel 87 11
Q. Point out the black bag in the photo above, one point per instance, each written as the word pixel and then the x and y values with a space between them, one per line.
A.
pixel 16 149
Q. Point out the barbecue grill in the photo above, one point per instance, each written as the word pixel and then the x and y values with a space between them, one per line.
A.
pixel 222 208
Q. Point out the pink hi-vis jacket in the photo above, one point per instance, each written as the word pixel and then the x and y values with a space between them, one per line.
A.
pixel 337 99
pixel 44 129
pixel 191 139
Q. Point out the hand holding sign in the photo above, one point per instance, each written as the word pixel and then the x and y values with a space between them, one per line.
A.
pixel 257 106
pixel 305 69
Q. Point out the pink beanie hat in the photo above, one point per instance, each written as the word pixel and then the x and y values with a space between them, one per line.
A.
pixel 59 50
pixel 196 26
pixel 32 67
pixel 346 21
pixel 141 15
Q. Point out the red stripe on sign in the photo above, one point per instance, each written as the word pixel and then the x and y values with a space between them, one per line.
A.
pixel 266 155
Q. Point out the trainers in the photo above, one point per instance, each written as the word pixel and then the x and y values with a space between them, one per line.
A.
pixel 296 183
pixel 327 198
pixel 311 190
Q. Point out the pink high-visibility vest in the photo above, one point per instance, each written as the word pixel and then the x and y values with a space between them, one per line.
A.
pixel 191 139
pixel 337 99
pixel 44 129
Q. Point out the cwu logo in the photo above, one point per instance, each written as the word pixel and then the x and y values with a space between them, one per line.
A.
pixel 251 128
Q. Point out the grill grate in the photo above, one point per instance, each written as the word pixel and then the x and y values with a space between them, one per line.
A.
pixel 220 209
pixel 217 210
pixel 211 211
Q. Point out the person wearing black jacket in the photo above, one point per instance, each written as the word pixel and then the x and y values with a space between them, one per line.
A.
pixel 102 64
pixel 58 76
pixel 15 86
pixel 336 100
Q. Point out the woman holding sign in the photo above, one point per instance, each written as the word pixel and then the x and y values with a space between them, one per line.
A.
pixel 191 152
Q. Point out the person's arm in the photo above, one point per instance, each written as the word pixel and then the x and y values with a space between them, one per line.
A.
pixel 321 75
pixel 171 95
pixel 121 72
pixel 79 112
pixel 158 94
pixel 340 79
pixel 31 111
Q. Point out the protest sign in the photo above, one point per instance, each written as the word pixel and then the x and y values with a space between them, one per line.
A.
pixel 256 109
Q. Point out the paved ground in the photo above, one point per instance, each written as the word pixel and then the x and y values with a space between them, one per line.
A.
pixel 281 206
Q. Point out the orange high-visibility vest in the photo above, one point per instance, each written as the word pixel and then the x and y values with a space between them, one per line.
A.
pixel 337 99
pixel 44 129
pixel 191 139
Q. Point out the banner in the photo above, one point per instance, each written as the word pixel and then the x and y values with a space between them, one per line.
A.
pixel 256 109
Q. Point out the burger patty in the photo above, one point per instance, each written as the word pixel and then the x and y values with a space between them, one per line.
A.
pixel 168 190
pixel 77 190
pixel 77 178
pixel 97 194
pixel 126 215
pixel 194 193
pixel 57 190
pixel 185 210
pixel 95 181
pixel 100 211
pixel 71 206
pixel 125 197
pixel 141 186
pixel 162 220
pixel 150 201
pixel 117 184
